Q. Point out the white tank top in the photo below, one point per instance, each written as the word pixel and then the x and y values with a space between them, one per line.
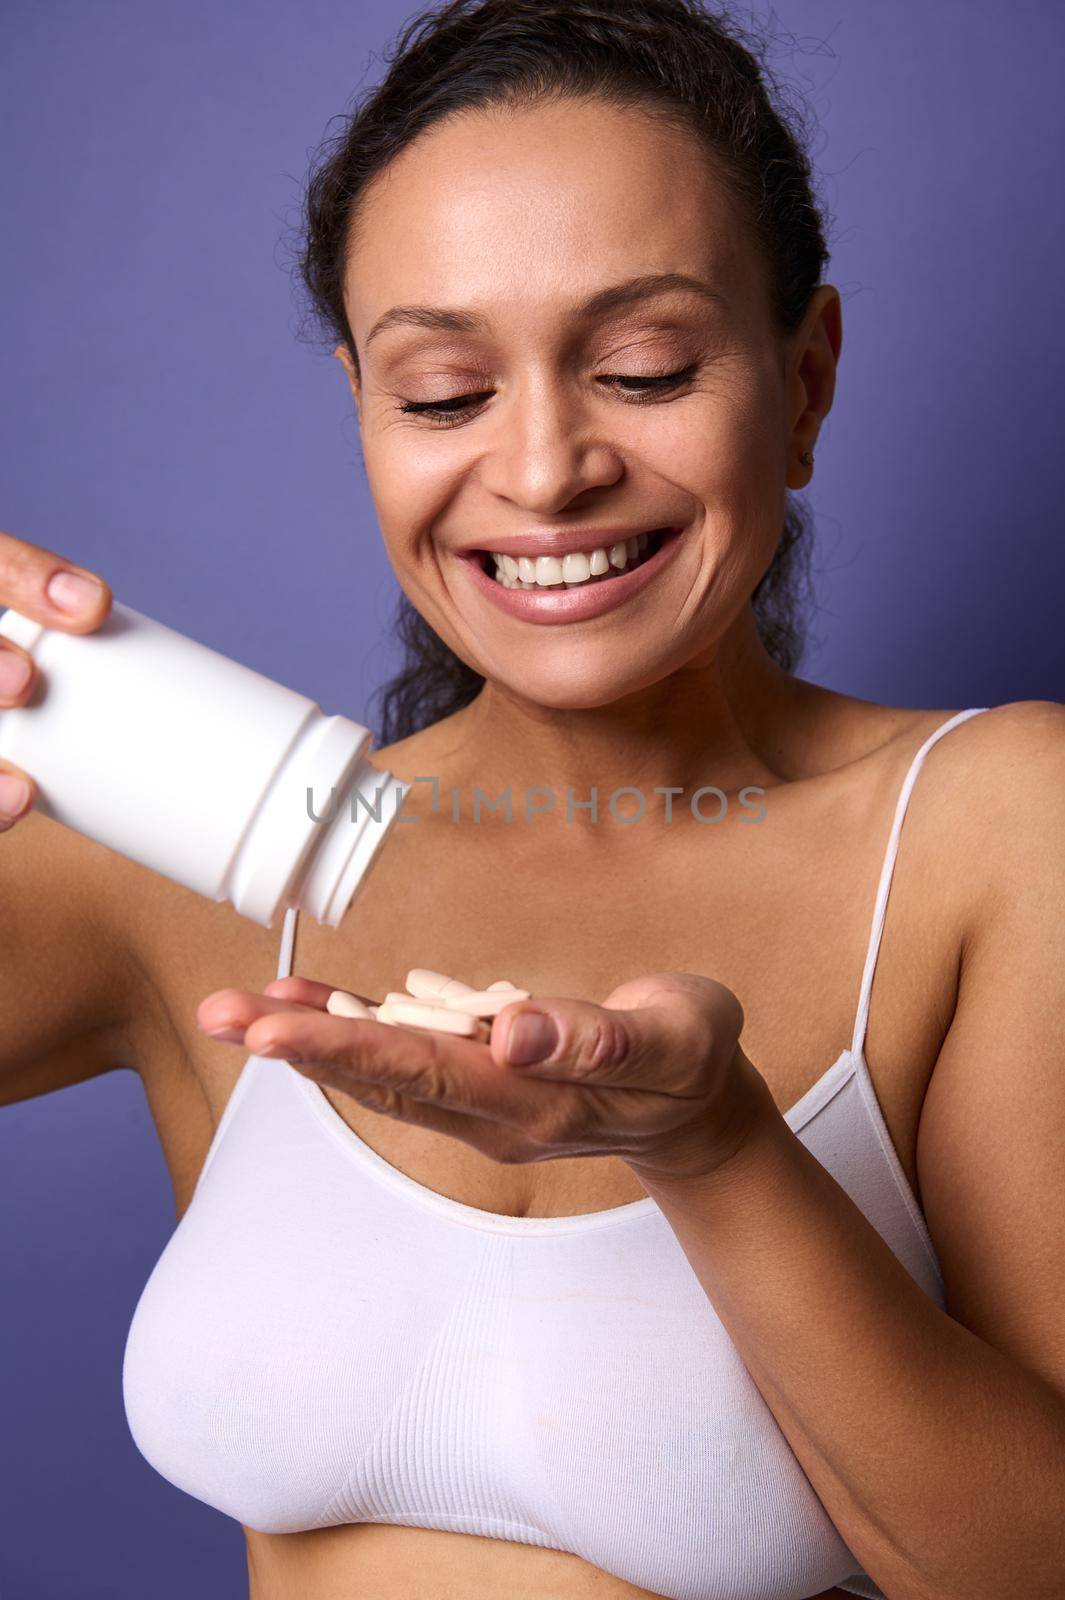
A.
pixel 324 1340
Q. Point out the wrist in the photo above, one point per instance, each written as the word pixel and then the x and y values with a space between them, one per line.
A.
pixel 719 1141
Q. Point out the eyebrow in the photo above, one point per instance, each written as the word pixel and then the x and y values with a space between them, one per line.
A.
pixel 616 297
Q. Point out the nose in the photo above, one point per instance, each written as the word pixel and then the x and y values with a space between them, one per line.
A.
pixel 547 450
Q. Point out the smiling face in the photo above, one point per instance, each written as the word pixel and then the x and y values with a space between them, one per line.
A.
pixel 570 420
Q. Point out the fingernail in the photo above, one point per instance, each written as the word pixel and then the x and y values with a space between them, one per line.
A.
pixel 14 671
pixel 14 794
pixel 228 1035
pixel 532 1037
pixel 73 591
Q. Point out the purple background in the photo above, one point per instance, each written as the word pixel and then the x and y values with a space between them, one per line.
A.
pixel 162 425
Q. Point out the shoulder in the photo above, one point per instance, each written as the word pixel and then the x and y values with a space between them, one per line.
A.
pixel 992 739
pixel 990 805
pixel 1005 733
pixel 1020 815
pixel 975 775
pixel 995 767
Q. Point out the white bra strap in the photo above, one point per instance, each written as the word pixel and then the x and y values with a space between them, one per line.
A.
pixel 861 1020
pixel 288 940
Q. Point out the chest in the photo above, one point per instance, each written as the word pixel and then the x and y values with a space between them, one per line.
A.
pixel 782 918
pixel 387 1354
pixel 390 1357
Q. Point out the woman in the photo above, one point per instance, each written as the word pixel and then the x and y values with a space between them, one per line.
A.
pixel 639 1298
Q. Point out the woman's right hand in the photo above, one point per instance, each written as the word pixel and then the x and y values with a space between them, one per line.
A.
pixel 52 590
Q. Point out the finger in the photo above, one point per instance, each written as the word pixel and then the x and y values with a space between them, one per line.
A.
pixel 308 991
pixel 457 1074
pixel 560 1038
pixel 16 674
pixel 18 792
pixel 659 1045
pixel 28 584
pixel 236 1009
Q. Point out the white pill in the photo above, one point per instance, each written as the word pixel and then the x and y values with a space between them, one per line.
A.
pixel 448 1000
pixel 502 983
pixel 487 1003
pixel 419 1014
pixel 343 1004
pixel 427 985
pixel 454 987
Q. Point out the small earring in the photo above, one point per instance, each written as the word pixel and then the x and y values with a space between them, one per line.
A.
pixel 807 458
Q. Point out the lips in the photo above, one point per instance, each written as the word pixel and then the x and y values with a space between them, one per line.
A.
pixel 560 542
pixel 581 602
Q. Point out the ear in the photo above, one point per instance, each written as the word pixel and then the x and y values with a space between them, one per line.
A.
pixel 343 355
pixel 813 356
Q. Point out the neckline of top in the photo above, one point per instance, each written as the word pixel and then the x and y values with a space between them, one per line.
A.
pixel 356 1147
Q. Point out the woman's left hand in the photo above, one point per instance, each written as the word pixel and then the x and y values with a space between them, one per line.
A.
pixel 654 1075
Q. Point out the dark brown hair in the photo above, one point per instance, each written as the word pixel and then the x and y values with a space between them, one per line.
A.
pixel 678 60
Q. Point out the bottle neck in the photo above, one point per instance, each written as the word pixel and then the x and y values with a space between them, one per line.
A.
pixel 364 816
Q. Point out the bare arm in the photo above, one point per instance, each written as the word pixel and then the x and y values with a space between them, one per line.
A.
pixel 935 1439
pixel 70 986
pixel 69 983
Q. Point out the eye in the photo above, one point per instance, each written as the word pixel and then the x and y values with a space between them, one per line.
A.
pixel 646 388
pixel 441 410
pixel 458 407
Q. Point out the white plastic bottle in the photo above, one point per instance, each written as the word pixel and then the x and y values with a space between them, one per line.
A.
pixel 168 752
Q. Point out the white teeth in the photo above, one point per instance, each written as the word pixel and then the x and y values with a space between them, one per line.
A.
pixel 549 572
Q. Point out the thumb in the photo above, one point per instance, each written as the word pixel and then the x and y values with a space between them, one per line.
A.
pixel 560 1039
pixel 661 1030
pixel 576 1040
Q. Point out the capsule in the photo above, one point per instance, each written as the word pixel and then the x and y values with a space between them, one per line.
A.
pixel 485 1002
pixel 343 1004
pixel 427 985
pixel 420 1014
